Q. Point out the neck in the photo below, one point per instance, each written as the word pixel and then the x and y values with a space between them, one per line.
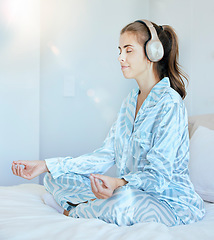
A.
pixel 146 83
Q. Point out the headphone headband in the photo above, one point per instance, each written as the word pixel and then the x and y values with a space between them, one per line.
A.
pixel 153 47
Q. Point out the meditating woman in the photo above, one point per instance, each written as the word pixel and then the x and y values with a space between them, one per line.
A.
pixel 148 143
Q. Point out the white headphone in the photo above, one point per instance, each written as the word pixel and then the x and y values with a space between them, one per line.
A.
pixel 153 47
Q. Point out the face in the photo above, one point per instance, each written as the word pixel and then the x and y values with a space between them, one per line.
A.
pixel 134 63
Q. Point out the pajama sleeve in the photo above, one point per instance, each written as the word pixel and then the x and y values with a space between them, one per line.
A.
pixel 98 161
pixel 171 136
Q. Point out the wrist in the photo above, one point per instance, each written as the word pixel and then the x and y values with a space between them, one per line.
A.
pixel 45 167
pixel 121 182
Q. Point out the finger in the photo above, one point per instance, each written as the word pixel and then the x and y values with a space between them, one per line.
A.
pixel 18 169
pixel 100 196
pixel 93 186
pixel 100 188
pixel 22 174
pixel 23 162
pixel 13 169
pixel 100 176
pixel 103 178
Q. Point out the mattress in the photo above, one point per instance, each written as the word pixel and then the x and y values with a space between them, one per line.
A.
pixel 23 215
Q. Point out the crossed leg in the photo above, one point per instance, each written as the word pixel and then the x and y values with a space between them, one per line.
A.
pixel 127 205
pixel 69 190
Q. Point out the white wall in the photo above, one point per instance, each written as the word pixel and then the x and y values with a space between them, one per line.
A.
pixel 193 22
pixel 79 40
pixel 19 85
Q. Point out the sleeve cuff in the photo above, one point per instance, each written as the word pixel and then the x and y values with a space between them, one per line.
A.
pixel 132 180
pixel 54 166
pixel 129 180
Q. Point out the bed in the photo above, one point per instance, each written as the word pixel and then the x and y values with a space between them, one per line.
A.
pixel 23 214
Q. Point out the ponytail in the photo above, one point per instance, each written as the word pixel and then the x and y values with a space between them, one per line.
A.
pixel 168 66
pixel 174 71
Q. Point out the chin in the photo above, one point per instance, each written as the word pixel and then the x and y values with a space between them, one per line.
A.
pixel 128 77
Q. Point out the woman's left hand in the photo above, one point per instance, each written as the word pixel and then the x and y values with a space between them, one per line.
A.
pixel 106 187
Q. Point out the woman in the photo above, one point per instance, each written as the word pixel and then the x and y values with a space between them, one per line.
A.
pixel 149 143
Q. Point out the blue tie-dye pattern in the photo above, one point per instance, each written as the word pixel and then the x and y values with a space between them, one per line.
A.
pixel 151 153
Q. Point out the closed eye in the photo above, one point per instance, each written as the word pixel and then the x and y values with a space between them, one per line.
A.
pixel 127 52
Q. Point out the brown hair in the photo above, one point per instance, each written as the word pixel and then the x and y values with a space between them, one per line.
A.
pixel 168 66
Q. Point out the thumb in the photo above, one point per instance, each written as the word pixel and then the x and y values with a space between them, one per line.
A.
pixel 23 162
pixel 103 178
pixel 99 176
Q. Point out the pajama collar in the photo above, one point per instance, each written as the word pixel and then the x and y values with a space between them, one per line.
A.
pixel 155 94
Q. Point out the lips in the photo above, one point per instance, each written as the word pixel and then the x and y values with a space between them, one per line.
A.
pixel 124 67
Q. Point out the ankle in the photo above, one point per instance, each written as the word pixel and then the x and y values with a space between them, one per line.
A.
pixel 66 213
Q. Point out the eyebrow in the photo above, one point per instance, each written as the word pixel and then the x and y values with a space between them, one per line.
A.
pixel 128 45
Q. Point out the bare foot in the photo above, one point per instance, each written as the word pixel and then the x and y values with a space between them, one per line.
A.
pixel 66 212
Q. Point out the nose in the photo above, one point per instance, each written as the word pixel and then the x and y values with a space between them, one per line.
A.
pixel 121 58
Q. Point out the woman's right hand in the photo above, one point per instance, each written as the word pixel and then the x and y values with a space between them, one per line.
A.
pixel 31 169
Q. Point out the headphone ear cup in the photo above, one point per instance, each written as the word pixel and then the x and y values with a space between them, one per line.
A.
pixel 154 50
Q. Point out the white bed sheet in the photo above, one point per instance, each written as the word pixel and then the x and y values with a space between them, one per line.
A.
pixel 23 215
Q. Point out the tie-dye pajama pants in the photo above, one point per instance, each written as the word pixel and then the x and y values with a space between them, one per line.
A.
pixel 127 205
